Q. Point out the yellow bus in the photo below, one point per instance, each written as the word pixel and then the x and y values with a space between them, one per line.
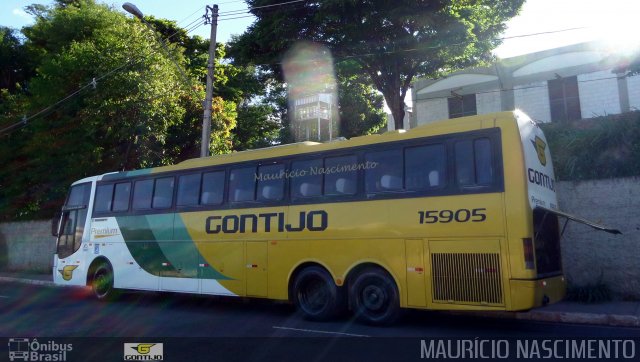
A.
pixel 456 215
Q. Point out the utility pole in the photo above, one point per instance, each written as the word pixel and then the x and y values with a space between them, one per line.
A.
pixel 206 119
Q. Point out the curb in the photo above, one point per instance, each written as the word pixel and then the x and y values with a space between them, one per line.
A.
pixel 27 281
pixel 613 320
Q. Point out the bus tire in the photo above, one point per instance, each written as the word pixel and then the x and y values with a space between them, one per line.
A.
pixel 374 297
pixel 102 282
pixel 316 295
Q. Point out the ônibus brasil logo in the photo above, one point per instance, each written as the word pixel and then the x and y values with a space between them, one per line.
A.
pixel 25 349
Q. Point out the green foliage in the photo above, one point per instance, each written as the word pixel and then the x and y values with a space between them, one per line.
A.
pixel 361 106
pixel 393 41
pixel 257 127
pixel 601 147
pixel 140 113
pixel 15 64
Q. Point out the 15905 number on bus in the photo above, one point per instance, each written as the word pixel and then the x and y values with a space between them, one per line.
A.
pixel 447 216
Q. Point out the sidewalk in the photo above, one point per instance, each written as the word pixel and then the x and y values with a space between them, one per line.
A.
pixel 615 313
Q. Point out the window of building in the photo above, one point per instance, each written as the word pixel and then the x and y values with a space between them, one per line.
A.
pixel 564 99
pixel 461 106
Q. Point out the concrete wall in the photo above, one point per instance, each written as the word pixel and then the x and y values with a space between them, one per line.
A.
pixel 533 99
pixel 599 94
pixel 588 255
pixel 26 246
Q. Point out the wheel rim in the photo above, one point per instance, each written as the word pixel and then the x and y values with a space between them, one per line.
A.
pixel 374 298
pixel 102 283
pixel 313 296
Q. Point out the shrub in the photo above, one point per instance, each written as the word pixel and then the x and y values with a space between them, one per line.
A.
pixel 601 147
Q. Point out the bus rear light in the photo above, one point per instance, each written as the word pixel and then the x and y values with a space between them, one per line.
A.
pixel 527 246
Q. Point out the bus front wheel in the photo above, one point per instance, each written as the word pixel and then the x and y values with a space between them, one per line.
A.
pixel 316 295
pixel 102 282
pixel 374 297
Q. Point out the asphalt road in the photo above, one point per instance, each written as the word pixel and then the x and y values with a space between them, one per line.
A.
pixel 47 312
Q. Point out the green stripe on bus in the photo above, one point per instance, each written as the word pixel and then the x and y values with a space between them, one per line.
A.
pixel 161 249
pixel 181 233
pixel 143 246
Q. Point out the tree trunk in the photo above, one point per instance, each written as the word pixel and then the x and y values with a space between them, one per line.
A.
pixel 395 102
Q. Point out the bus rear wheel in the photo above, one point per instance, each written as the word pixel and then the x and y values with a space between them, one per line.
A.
pixel 102 282
pixel 374 297
pixel 316 295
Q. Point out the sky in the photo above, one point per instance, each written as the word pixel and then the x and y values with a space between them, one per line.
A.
pixel 565 21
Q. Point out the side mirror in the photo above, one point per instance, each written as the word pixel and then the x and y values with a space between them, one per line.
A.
pixel 55 224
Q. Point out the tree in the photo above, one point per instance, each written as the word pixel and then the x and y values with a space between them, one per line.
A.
pixel 15 65
pixel 126 119
pixel 360 105
pixel 393 41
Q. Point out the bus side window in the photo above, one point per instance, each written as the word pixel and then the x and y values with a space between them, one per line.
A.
pixel 484 168
pixel 142 191
pixel 341 175
pixel 306 181
pixel 384 171
pixel 212 188
pixel 425 167
pixel 163 193
pixel 464 163
pixel 270 182
pixel 188 190
pixel 121 197
pixel 474 162
pixel 104 195
pixel 242 184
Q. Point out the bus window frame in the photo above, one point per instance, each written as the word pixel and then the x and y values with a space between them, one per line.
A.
pixel 451 188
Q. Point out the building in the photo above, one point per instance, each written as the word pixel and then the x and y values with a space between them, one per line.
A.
pixel 567 83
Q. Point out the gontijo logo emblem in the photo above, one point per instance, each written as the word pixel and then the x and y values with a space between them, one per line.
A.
pixel 143 352
pixel 67 271
pixel 540 147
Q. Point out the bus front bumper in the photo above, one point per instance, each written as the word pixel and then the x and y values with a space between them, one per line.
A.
pixel 527 294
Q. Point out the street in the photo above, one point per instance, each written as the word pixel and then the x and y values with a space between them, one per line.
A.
pixel 66 313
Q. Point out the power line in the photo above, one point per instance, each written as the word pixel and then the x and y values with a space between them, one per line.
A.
pixel 238 17
pixel 192 14
pixel 236 12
